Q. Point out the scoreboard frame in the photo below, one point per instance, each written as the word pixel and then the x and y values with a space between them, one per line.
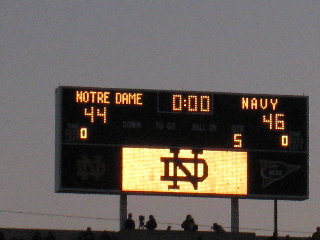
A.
pixel 273 172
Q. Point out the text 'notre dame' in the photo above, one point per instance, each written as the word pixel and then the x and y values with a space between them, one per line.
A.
pixel 106 97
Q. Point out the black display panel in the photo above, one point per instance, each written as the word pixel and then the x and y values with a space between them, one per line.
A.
pixel 114 124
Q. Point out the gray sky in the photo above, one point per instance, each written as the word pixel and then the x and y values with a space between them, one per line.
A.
pixel 220 46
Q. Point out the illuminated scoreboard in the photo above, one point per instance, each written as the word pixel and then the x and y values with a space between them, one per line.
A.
pixel 181 143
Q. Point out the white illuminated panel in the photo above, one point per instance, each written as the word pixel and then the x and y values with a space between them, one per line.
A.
pixel 153 170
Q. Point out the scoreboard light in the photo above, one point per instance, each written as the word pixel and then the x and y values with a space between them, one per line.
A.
pixel 181 143
pixel 211 172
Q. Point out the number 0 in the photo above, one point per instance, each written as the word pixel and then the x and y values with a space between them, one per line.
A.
pixel 284 140
pixel 83 133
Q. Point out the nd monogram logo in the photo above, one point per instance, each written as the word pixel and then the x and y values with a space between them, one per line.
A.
pixel 91 167
pixel 178 163
pixel 184 170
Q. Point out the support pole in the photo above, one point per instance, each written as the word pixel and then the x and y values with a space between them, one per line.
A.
pixel 235 215
pixel 275 229
pixel 123 210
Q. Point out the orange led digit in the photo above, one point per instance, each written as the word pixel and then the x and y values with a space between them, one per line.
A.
pixel 89 114
pixel 237 140
pixel 102 114
pixel 204 103
pixel 83 133
pixel 268 120
pixel 192 103
pixel 279 123
pixel 284 140
pixel 177 102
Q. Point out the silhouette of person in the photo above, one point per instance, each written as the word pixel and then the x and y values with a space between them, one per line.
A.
pixel 152 223
pixel 316 234
pixel 88 234
pixel 2 236
pixel 217 228
pixel 141 222
pixel 129 224
pixel 189 224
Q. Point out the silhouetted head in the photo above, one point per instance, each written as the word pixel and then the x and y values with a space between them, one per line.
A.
pixel 214 226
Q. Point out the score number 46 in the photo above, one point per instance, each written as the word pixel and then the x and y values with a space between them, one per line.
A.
pixel 274 121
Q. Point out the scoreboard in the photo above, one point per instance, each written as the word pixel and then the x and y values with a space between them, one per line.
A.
pixel 181 143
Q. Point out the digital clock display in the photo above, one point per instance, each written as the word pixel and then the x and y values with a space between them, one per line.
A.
pixel 106 136
pixel 185 103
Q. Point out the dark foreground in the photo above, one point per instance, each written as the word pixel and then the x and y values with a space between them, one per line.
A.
pixel 33 234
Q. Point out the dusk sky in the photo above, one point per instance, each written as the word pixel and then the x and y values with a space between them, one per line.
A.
pixel 250 46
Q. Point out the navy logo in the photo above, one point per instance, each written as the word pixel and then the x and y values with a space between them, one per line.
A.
pixel 274 171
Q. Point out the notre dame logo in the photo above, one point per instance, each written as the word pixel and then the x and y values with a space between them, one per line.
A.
pixel 178 163
pixel 91 168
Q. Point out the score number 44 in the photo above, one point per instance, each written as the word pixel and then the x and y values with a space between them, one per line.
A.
pixel 94 113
